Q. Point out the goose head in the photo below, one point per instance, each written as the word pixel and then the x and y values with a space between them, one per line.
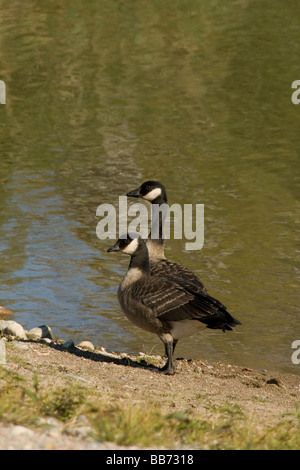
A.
pixel 153 191
pixel 129 244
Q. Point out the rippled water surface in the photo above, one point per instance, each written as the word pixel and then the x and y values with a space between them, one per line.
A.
pixel 101 96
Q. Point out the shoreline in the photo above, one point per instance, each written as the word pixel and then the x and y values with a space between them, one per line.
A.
pixel 63 396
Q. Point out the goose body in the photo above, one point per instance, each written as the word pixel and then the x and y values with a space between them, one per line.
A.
pixel 163 306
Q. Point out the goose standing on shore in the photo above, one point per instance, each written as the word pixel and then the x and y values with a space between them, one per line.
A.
pixel 155 192
pixel 160 305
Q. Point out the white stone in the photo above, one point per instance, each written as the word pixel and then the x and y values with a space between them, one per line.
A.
pixel 3 324
pixel 20 430
pixel 87 345
pixel 14 329
pixel 39 332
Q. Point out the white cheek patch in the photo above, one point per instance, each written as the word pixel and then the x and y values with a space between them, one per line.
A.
pixel 131 248
pixel 153 194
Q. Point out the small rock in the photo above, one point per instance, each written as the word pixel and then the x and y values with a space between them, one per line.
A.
pixel 39 332
pixel 34 333
pixel 5 311
pixel 60 341
pixel 81 419
pixel 46 340
pixel 21 430
pixel 13 328
pixel 3 324
pixel 86 345
pixel 51 421
pixel 80 431
pixel 124 356
pixel 106 352
pixel 68 344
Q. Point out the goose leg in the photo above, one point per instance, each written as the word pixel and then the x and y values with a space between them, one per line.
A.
pixel 175 341
pixel 168 368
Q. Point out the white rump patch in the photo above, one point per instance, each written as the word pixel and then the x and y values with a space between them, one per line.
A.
pixel 184 328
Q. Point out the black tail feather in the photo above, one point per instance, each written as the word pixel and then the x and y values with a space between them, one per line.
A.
pixel 213 313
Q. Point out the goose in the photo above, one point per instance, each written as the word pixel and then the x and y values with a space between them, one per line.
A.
pixel 160 305
pixel 155 192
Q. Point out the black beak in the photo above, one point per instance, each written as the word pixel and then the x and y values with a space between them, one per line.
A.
pixel 115 247
pixel 134 193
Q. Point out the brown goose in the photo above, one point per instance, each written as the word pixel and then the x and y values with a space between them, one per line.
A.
pixel 162 306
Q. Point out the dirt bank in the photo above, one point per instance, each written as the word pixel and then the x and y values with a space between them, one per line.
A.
pixel 199 389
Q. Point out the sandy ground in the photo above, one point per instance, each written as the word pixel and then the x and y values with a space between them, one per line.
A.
pixel 264 395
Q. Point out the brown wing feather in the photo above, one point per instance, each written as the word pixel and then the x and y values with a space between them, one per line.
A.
pixel 173 302
pixel 177 273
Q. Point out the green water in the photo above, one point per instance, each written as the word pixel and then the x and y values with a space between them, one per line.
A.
pixel 102 95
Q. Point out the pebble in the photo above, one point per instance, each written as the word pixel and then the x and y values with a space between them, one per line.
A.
pixel 12 328
pixel 46 340
pixel 68 344
pixel 5 311
pixel 106 352
pixel 18 430
pixel 82 419
pixel 49 421
pixel 40 332
pixel 80 431
pixel 87 345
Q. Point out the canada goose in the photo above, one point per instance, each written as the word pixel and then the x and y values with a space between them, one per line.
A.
pixel 160 305
pixel 155 192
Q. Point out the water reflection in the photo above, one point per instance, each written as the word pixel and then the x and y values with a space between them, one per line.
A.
pixel 104 95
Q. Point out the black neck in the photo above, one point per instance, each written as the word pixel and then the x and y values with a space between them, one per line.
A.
pixel 158 217
pixel 161 199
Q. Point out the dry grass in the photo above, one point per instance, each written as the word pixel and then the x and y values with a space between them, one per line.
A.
pixel 126 423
